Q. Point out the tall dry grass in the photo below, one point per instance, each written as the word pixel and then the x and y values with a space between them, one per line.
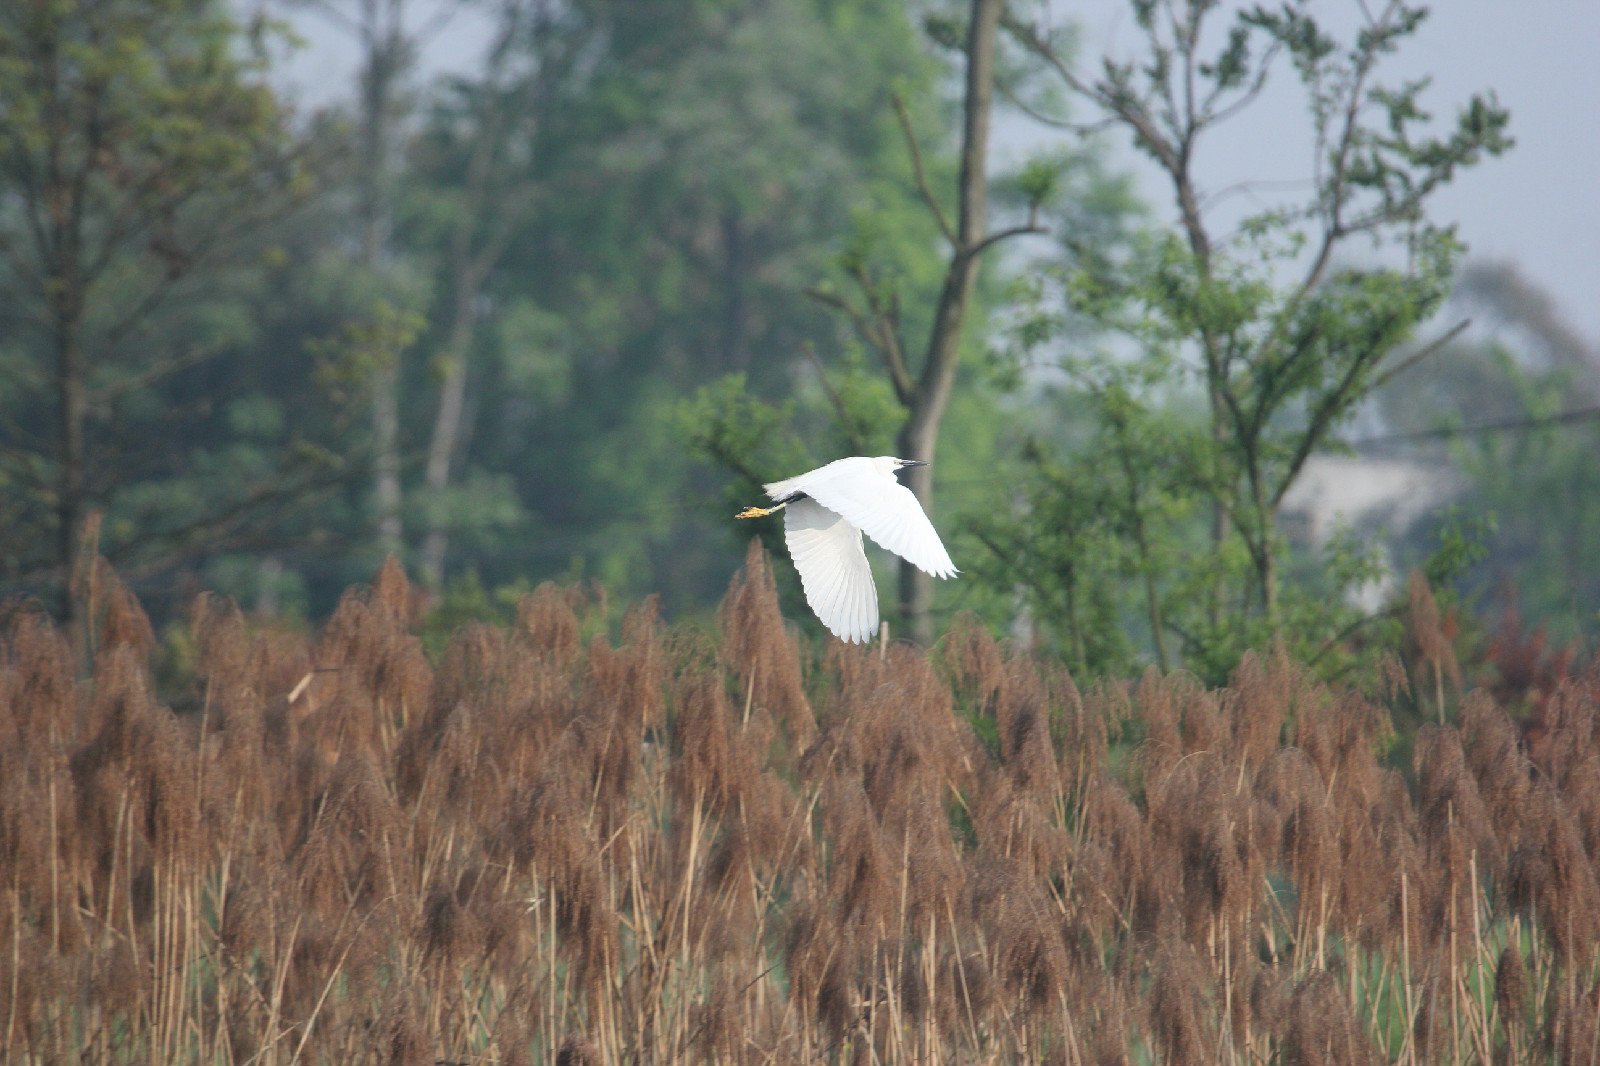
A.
pixel 676 849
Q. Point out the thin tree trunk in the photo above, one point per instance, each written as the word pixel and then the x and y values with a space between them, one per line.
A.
pixel 64 266
pixel 386 461
pixel 447 430
pixel 916 587
pixel 70 479
pixel 385 53
pixel 488 196
pixel 920 436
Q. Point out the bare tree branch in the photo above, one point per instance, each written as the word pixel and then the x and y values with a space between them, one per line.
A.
pixel 857 444
pixel 876 331
pixel 1004 235
pixel 1331 196
pixel 917 170
pixel 1422 353
pixel 149 376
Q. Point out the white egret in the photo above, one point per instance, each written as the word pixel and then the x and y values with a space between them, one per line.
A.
pixel 825 512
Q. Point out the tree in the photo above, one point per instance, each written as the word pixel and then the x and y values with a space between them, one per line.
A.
pixel 1281 340
pixel 476 185
pixel 388 53
pixel 690 188
pixel 139 153
pixel 924 391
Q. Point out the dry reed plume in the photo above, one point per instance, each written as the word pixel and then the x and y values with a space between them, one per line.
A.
pixel 674 849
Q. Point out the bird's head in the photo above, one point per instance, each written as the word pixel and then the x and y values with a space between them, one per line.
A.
pixel 888 464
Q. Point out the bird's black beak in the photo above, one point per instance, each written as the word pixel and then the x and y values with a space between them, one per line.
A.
pixel 913 462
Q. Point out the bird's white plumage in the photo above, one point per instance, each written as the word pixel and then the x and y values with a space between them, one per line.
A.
pixel 833 569
pixel 823 530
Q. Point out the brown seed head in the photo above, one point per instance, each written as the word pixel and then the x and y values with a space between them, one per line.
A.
pixel 124 623
pixel 1021 929
pixel 1430 630
pixel 547 620
pixel 1181 1016
pixel 761 650
pixel 1511 986
pixel 404 1028
pixel 1257 702
pixel 37 698
pixel 1503 772
pixel 1159 707
pixel 1448 791
pixel 1574 1028
pixel 1322 1030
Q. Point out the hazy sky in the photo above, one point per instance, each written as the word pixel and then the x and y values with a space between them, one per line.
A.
pixel 1537 206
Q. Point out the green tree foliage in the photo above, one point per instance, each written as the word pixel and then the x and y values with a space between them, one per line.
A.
pixel 524 303
pixel 1247 349
pixel 477 178
pixel 905 285
pixel 615 207
pixel 140 158
pixel 687 196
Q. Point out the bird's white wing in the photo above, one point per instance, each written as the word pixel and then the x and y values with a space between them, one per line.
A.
pixel 855 466
pixel 884 509
pixel 833 569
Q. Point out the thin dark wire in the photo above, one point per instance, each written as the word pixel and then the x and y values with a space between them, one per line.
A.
pixel 1585 414
pixel 1508 425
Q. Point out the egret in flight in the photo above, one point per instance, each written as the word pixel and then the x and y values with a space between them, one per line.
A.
pixel 825 512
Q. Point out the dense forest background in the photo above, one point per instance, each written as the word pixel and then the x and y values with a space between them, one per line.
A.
pixel 553 318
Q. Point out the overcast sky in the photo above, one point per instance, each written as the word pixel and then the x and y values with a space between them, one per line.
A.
pixel 1537 206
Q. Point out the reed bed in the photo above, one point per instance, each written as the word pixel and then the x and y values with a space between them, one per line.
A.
pixel 677 849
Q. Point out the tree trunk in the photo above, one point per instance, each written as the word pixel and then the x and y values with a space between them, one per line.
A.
pixel 916 587
pixel 447 429
pixel 386 51
pixel 70 478
pixel 386 458
pixel 491 193
pixel 920 436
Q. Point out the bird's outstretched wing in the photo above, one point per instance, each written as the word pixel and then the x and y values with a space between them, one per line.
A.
pixel 884 509
pixel 838 583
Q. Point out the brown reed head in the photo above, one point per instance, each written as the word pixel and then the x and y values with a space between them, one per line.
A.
pixel 1182 1018
pixel 1432 630
pixel 1199 819
pixel 547 620
pixel 1448 790
pixel 1511 986
pixel 1022 713
pixel 757 644
pixel 37 697
pixel 1321 1029
pixel 1026 952
pixel 1572 1029
pixel 404 1029
pixel 123 622
pixel 576 1050
pixel 973 659
pixel 1262 695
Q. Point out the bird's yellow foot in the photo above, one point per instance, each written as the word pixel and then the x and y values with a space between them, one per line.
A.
pixel 755 512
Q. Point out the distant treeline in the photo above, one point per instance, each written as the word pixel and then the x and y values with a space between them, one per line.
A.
pixel 557 316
